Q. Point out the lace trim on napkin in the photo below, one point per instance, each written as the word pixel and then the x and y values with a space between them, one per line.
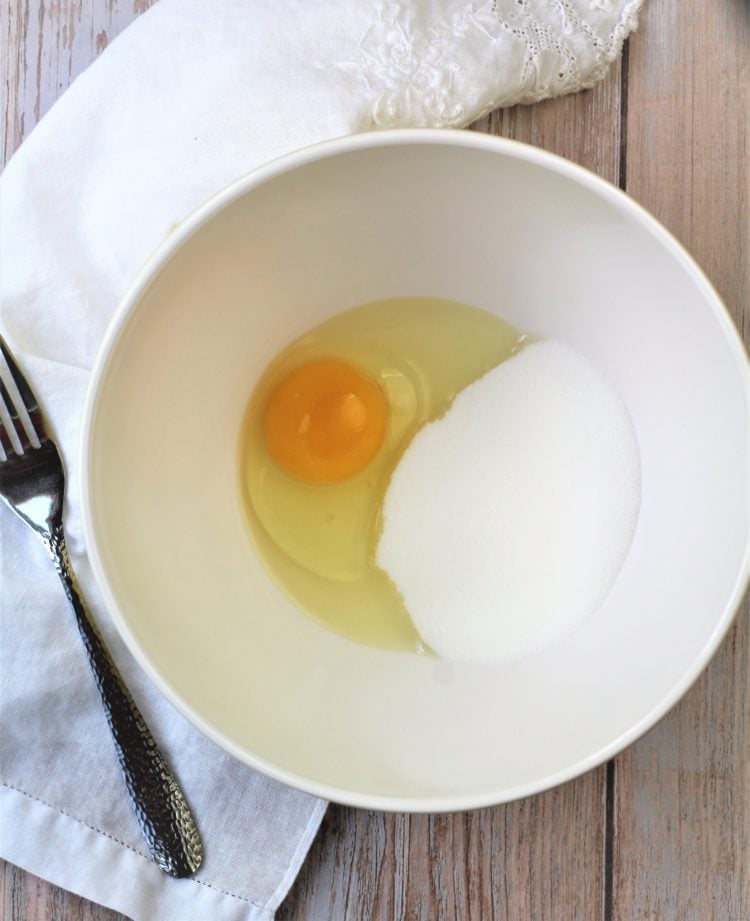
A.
pixel 408 57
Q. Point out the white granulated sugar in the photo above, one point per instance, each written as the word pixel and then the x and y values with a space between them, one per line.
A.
pixel 507 521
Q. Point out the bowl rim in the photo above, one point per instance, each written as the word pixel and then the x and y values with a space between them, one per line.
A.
pixel 120 321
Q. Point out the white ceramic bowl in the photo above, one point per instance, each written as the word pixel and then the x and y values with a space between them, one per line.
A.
pixel 549 247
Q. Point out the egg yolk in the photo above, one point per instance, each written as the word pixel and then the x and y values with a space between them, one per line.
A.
pixel 325 421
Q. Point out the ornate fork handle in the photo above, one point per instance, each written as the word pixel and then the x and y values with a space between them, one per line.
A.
pixel 164 816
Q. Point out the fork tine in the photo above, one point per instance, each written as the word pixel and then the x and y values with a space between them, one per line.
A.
pixel 9 439
pixel 29 400
pixel 20 402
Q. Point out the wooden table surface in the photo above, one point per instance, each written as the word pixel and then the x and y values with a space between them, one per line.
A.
pixel 662 832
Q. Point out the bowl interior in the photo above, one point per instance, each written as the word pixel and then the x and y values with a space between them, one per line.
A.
pixel 506 228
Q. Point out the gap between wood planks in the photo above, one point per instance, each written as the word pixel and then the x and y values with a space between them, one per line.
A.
pixel 610 784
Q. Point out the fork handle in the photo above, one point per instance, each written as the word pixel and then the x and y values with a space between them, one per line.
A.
pixel 163 814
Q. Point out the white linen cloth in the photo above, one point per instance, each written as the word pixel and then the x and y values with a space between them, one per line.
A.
pixel 191 96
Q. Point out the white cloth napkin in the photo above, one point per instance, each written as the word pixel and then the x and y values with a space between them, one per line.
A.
pixel 194 94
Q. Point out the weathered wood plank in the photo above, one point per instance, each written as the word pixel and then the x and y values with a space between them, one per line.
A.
pixel 47 44
pixel 539 858
pixel 24 897
pixel 682 849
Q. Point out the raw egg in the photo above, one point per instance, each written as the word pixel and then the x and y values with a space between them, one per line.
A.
pixel 325 428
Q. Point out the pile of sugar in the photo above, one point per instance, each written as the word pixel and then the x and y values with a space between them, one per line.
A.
pixel 507 521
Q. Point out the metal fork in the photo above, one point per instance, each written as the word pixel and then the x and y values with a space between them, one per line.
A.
pixel 32 483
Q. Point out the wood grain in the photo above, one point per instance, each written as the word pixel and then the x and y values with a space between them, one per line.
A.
pixel 540 858
pixel 24 897
pixel 662 834
pixel 682 793
pixel 48 43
